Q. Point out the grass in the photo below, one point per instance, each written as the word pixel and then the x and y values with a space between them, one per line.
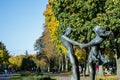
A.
pixel 106 77
pixel 31 76
pixel 36 76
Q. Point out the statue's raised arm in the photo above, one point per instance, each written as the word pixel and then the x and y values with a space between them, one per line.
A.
pixel 67 32
pixel 71 41
pixel 100 37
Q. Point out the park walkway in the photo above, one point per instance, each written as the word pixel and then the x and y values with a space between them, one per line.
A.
pixel 5 76
pixel 64 76
pixel 56 75
pixel 69 78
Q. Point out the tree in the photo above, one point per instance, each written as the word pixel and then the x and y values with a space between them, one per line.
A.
pixel 52 22
pixel 52 25
pixel 48 49
pixel 28 64
pixel 4 55
pixel 83 15
pixel 26 53
pixel 23 62
pixel 38 46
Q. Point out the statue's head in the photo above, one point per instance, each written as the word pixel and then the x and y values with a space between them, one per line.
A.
pixel 68 31
pixel 98 30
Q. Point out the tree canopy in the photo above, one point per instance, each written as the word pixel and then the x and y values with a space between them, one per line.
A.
pixel 83 16
pixel 4 55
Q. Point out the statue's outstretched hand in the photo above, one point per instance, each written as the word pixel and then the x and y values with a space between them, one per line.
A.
pixel 81 45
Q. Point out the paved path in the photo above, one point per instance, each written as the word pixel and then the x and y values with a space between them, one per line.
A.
pixel 5 76
pixel 69 78
pixel 64 76
pixel 56 75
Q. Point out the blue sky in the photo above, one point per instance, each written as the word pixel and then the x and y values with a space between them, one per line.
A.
pixel 21 23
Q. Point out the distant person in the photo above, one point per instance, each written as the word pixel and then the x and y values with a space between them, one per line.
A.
pixel 97 69
pixel 5 71
pixel 110 70
pixel 106 71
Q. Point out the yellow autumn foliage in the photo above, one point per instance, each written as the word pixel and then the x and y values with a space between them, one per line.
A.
pixel 1 53
pixel 11 60
pixel 61 49
pixel 51 0
pixel 52 23
pixel 80 53
pixel 16 61
pixel 109 53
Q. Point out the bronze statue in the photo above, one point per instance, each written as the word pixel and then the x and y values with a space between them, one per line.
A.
pixel 95 55
pixel 70 53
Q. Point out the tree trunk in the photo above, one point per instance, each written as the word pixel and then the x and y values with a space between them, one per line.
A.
pixel 86 70
pixel 66 64
pixel 48 68
pixel 59 64
pixel 62 63
pixel 118 68
pixel 100 73
pixel 117 63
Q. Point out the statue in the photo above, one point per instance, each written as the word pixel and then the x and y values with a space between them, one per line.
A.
pixel 68 43
pixel 95 55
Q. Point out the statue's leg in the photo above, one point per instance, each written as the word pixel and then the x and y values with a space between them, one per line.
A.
pixel 75 68
pixel 104 59
pixel 92 71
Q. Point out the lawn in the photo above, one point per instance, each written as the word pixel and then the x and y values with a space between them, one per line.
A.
pixel 31 76
pixel 36 76
pixel 107 77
